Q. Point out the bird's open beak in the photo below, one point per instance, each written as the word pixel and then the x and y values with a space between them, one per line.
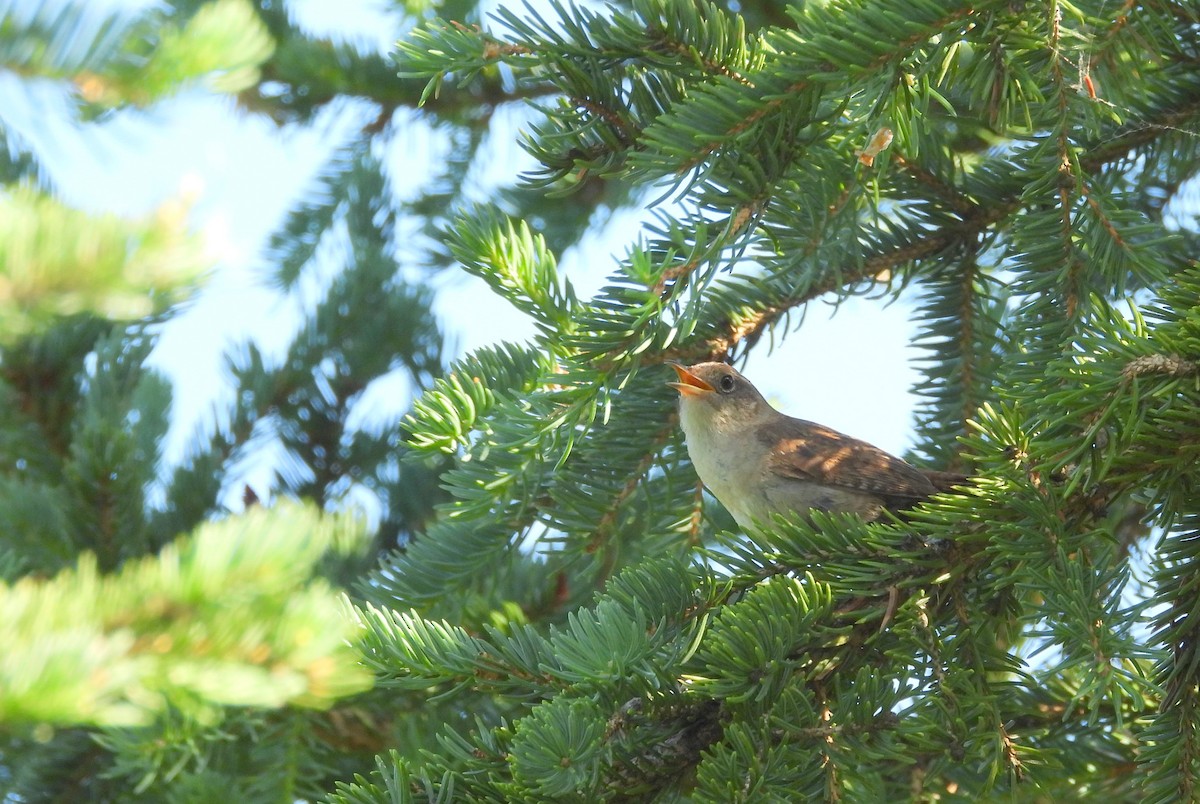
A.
pixel 689 384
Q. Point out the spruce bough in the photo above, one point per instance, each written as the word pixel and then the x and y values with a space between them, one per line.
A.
pixel 1002 640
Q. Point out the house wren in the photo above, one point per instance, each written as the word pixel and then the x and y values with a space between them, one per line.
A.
pixel 759 462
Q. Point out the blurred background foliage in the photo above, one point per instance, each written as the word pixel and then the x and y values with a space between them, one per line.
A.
pixel 84 297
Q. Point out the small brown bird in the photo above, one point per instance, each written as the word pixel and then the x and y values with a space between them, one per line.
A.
pixel 759 462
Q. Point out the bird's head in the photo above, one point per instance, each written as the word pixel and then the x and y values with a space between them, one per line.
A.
pixel 716 390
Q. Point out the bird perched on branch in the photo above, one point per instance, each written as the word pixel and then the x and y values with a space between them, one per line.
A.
pixel 759 462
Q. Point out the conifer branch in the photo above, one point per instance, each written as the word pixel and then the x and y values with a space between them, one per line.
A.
pixel 751 327
pixel 608 519
pixel 1162 365
pixel 967 364
pixel 952 195
pixel 995 642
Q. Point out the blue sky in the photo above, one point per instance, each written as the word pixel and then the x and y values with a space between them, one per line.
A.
pixel 240 174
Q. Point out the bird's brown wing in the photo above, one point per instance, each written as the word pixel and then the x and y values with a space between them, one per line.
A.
pixel 814 453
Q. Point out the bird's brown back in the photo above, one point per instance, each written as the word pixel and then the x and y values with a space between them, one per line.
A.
pixel 810 452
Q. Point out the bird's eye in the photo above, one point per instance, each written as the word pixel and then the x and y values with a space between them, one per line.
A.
pixel 727 383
